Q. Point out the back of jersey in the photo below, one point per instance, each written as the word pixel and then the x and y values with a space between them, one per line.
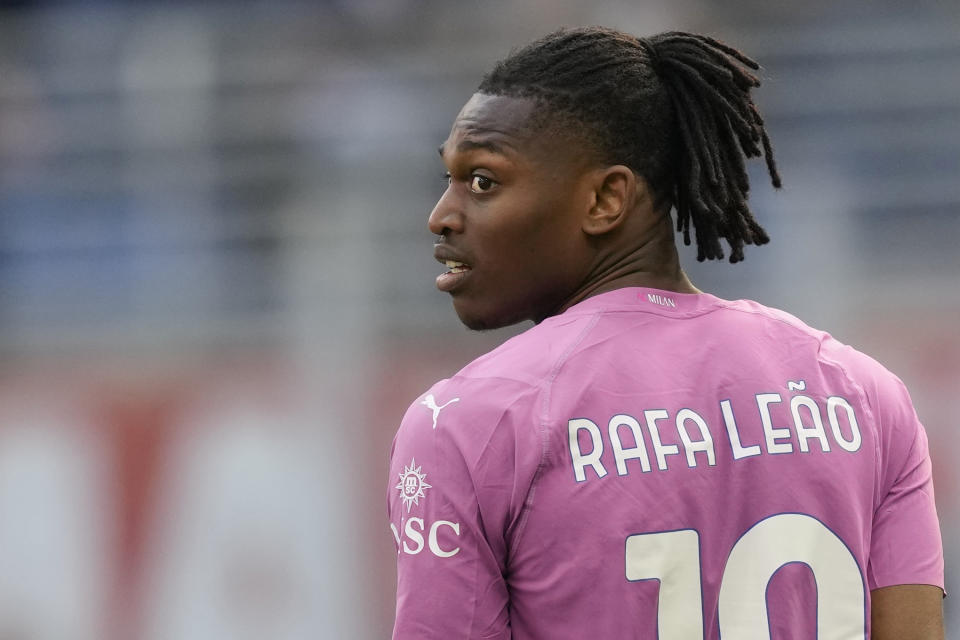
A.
pixel 715 468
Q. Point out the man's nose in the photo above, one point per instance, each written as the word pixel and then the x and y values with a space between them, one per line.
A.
pixel 447 215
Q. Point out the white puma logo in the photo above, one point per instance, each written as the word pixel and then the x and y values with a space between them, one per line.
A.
pixel 431 403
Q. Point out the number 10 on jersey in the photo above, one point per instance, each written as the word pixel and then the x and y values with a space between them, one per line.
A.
pixel 673 558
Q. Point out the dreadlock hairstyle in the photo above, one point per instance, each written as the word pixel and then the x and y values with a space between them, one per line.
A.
pixel 674 107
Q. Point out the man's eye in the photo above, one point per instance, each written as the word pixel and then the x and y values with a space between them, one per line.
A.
pixel 480 184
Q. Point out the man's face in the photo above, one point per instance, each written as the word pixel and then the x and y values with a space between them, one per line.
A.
pixel 512 215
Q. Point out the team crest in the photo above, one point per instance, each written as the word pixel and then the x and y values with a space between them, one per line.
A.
pixel 412 484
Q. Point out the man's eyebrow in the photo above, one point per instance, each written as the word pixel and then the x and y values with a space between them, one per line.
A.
pixel 471 145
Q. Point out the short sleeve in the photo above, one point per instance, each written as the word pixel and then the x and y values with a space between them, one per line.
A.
pixel 460 468
pixel 906 546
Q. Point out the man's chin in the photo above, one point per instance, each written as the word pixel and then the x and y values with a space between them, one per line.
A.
pixel 483 320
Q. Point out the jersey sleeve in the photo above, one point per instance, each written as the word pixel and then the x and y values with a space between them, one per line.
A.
pixel 461 465
pixel 906 546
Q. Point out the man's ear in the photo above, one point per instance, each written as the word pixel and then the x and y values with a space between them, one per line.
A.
pixel 615 190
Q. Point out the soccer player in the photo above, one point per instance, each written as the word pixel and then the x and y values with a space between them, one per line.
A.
pixel 648 460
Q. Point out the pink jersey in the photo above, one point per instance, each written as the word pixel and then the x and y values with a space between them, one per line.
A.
pixel 658 463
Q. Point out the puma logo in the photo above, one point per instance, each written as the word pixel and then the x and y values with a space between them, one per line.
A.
pixel 431 403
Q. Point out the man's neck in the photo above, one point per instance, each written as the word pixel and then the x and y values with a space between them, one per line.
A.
pixel 653 263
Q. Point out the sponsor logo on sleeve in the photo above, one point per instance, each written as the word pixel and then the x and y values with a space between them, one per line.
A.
pixel 413 535
pixel 412 485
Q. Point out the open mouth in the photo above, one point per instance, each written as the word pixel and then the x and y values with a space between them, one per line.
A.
pixel 456 267
pixel 450 280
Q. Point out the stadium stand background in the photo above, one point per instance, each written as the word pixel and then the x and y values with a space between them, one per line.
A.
pixel 216 284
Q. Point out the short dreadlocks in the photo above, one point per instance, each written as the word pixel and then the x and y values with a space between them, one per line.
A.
pixel 674 107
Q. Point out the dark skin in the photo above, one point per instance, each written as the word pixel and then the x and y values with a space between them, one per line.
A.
pixel 542 228
pixel 543 224
pixel 907 612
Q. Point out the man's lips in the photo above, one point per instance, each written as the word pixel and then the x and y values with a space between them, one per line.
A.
pixel 459 269
pixel 444 252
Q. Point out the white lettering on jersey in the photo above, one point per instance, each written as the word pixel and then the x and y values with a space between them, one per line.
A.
pixel 804 433
pixel 663 301
pixel 739 451
pixel 801 417
pixel 432 538
pixel 691 447
pixel 659 449
pixel 771 433
pixel 620 453
pixel 853 444
pixel 592 459
pixel 413 530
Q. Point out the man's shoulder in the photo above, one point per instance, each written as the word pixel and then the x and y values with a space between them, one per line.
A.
pixel 777 320
pixel 876 382
pixel 502 385
pixel 472 416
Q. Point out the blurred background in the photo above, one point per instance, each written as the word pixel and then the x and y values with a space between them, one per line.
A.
pixel 216 282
